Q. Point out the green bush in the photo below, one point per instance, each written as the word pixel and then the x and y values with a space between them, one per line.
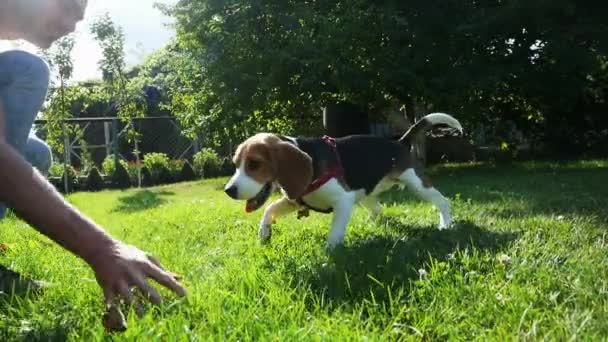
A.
pixel 120 178
pixel 56 170
pixel 155 162
pixel 175 166
pixel 164 176
pixel 146 177
pixel 94 181
pixel 72 177
pixel 187 173
pixel 227 167
pixel 107 166
pixel 132 170
pixel 207 163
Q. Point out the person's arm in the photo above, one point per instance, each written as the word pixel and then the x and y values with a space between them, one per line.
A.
pixel 117 266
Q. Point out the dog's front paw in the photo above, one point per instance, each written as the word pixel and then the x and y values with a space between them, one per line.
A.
pixel 265 233
pixel 333 244
pixel 445 223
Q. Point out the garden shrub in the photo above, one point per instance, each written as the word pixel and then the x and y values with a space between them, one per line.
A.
pixel 94 181
pixel 120 178
pixel 187 173
pixel 72 177
pixel 107 166
pixel 155 162
pixel 227 167
pixel 175 166
pixel 164 176
pixel 146 177
pixel 207 163
pixel 57 169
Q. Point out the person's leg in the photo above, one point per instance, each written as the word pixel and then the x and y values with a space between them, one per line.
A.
pixel 38 153
pixel 24 80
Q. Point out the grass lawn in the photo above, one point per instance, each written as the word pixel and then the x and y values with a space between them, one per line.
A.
pixel 527 259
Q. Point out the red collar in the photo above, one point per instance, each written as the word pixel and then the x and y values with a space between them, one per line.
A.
pixel 335 171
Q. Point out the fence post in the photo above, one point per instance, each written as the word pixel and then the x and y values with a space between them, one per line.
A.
pixel 196 145
pixel 115 142
pixel 66 157
pixel 106 133
pixel 136 153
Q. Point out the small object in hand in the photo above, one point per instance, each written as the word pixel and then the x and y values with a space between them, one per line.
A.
pixel 114 320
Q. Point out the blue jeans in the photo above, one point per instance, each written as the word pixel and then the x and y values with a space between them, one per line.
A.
pixel 24 80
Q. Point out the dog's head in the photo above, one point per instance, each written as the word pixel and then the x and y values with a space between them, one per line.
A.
pixel 263 160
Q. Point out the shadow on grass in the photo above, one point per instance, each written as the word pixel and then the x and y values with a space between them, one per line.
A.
pixel 543 189
pixel 371 265
pixel 16 294
pixel 142 200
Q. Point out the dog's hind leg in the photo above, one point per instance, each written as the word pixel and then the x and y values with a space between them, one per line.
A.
pixel 276 209
pixel 424 190
pixel 372 205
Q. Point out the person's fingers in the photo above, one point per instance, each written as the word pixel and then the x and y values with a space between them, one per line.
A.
pixel 108 295
pixel 125 291
pixel 158 264
pixel 148 290
pixel 165 279
pixel 155 262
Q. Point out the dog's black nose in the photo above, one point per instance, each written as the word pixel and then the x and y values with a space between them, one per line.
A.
pixel 232 191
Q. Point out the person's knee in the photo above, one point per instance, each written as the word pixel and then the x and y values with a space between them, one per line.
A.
pixel 27 69
pixel 39 154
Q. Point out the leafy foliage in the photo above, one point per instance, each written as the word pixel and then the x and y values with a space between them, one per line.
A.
pixel 120 177
pixel 187 174
pixel 207 162
pixel 164 176
pixel 156 163
pixel 108 165
pixel 252 64
pixel 94 180
pixel 146 177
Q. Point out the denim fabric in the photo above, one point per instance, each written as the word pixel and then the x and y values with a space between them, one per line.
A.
pixel 24 80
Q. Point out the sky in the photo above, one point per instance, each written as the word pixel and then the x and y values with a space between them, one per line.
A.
pixel 144 26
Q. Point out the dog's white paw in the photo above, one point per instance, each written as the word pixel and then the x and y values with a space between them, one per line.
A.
pixel 332 244
pixel 445 223
pixel 264 233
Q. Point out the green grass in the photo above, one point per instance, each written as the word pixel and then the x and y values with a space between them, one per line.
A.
pixel 528 259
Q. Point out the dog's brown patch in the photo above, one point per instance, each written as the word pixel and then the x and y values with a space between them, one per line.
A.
pixel 268 158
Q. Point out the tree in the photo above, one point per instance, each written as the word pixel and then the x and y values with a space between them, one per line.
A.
pixel 486 61
pixel 130 99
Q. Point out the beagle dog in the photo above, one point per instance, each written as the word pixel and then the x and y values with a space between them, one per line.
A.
pixel 331 175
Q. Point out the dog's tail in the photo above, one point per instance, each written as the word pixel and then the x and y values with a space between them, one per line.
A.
pixel 427 122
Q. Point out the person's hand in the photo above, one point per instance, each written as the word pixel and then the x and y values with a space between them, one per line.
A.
pixel 119 267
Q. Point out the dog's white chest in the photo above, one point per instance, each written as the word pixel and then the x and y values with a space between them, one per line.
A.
pixel 326 196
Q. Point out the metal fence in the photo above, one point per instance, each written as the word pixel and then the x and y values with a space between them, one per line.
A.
pixel 97 138
pixel 100 137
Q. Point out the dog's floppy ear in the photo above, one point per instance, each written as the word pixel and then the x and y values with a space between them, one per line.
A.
pixel 293 168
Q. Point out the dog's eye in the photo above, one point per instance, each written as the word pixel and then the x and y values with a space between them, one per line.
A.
pixel 253 165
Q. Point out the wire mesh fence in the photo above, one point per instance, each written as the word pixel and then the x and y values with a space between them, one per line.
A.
pixel 95 139
pixel 80 143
